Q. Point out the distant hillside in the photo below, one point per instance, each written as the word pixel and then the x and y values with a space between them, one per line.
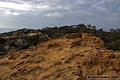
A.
pixel 21 39
pixel 20 33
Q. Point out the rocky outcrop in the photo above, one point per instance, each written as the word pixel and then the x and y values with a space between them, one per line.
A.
pixel 71 57
pixel 32 34
pixel 73 36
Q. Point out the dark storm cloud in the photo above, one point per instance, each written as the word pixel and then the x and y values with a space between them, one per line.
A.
pixel 41 13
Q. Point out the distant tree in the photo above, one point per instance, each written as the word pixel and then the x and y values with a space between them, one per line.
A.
pixel 100 29
pixel 81 25
pixel 118 30
pixel 112 30
pixel 94 27
pixel 89 26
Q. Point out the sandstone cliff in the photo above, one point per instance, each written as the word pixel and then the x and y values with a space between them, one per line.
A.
pixel 71 57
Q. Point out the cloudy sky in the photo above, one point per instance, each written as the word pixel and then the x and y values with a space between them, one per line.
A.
pixel 49 13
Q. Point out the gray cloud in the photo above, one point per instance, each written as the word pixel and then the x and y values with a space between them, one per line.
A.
pixel 41 13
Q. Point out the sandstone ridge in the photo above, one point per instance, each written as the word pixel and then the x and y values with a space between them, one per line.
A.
pixel 71 57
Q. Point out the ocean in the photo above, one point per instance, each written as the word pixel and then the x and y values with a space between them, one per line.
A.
pixel 3 30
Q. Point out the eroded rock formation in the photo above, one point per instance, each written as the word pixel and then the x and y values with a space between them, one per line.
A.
pixel 71 57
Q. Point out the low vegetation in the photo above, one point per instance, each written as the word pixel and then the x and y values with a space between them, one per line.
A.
pixel 111 38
